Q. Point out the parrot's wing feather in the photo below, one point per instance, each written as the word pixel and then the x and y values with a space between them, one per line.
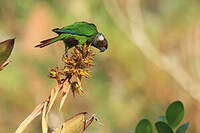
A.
pixel 60 31
pixel 78 28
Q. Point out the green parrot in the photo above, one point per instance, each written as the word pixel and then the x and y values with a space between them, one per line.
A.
pixel 78 33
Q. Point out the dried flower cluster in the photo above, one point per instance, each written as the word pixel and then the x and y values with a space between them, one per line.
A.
pixel 76 66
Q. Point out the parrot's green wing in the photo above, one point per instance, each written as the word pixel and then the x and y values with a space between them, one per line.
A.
pixel 78 28
pixel 60 31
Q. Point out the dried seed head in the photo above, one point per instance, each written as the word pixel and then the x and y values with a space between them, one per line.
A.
pixel 75 87
pixel 52 73
pixel 77 63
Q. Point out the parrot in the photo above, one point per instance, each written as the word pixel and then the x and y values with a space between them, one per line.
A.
pixel 78 33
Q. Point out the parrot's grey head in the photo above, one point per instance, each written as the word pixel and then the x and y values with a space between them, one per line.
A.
pixel 100 42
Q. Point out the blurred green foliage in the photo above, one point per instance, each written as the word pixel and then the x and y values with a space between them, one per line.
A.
pixel 174 114
pixel 166 124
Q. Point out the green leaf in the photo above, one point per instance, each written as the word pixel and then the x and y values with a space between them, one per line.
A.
pixel 144 126
pixel 5 50
pixel 182 128
pixel 163 127
pixel 175 113
pixel 162 118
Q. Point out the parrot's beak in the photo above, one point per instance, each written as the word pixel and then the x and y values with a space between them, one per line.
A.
pixel 103 45
pixel 105 42
pixel 102 49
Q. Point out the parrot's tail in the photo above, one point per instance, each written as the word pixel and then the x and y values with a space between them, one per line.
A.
pixel 47 42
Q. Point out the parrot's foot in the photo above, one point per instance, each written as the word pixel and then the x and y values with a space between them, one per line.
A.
pixel 65 55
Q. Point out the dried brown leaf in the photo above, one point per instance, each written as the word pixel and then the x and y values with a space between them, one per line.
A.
pixel 5 51
pixel 54 93
pixel 88 122
pixel 76 124
pixel 45 118
pixel 30 118
pixel 73 125
pixel 66 88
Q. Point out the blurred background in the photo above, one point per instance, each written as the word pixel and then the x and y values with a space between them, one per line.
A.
pixel 152 60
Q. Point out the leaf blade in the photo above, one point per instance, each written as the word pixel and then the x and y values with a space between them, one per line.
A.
pixel 163 127
pixel 144 126
pixel 183 128
pixel 175 113
pixel 6 48
pixel 30 118
pixel 66 88
pixel 74 125
pixel 44 118
pixel 54 93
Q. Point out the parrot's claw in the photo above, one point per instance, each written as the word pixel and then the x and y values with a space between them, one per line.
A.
pixel 65 55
